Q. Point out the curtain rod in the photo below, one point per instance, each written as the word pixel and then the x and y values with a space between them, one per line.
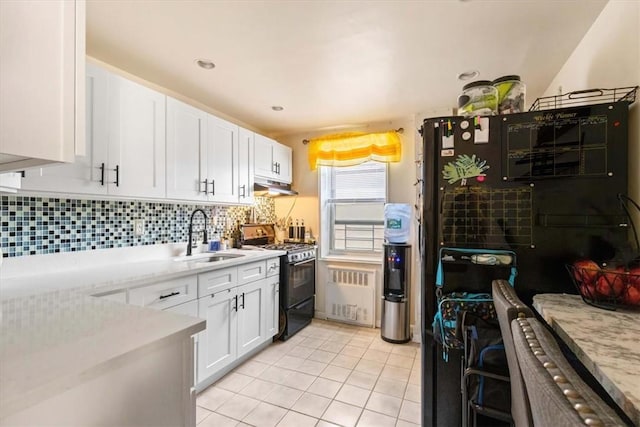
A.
pixel 399 130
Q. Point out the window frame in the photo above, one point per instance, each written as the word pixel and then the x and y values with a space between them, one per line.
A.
pixel 328 219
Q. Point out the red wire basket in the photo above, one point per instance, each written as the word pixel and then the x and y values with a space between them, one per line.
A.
pixel 608 289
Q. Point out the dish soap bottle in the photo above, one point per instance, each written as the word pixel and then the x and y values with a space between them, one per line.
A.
pixel 214 244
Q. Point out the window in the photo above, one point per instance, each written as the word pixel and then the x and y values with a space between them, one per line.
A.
pixel 352 213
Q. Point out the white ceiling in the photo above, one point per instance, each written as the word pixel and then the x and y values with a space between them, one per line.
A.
pixel 334 63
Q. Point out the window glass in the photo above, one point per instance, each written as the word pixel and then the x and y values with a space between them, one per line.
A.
pixel 353 201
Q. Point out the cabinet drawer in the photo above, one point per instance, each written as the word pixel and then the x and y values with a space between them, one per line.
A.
pixel 165 294
pixel 188 308
pixel 273 267
pixel 118 296
pixel 252 271
pixel 216 281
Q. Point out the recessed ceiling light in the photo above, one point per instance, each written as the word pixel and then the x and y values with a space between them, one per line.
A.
pixel 205 63
pixel 468 75
pixel 277 108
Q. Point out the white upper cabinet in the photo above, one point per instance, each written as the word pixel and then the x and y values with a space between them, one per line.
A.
pixel 136 139
pixel 282 157
pixel 42 82
pixel 245 167
pixel 143 144
pixel 186 139
pixel 208 159
pixel 125 152
pixel 87 174
pixel 221 160
pixel 272 160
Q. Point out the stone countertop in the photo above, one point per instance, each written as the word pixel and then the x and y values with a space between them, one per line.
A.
pixel 606 342
pixel 102 271
pixel 53 341
pixel 54 335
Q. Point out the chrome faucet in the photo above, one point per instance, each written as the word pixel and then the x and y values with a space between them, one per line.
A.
pixel 204 240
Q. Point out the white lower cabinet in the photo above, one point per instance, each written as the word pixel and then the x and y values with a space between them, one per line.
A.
pixel 251 316
pixel 241 315
pixel 217 345
pixel 117 296
pixel 240 305
pixel 186 309
pixel 166 294
pixel 272 298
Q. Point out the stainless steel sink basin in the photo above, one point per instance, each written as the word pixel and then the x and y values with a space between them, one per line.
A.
pixel 215 258
pixel 208 257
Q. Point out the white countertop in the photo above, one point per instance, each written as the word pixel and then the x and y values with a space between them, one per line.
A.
pixel 99 271
pixel 54 335
pixel 606 342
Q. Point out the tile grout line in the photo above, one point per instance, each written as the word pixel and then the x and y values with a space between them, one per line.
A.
pixel 319 347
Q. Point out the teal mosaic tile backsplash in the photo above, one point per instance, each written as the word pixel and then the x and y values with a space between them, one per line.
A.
pixel 41 225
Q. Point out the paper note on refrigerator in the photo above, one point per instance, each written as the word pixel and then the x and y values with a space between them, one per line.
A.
pixel 481 135
pixel 447 142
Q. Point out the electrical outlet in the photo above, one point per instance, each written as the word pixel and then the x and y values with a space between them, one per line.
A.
pixel 138 227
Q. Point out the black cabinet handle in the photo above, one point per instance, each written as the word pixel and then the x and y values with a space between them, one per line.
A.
pixel 117 181
pixel 213 187
pixel 172 294
pixel 242 306
pixel 274 167
pixel 235 302
pixel 244 191
pixel 278 168
pixel 206 184
pixel 102 174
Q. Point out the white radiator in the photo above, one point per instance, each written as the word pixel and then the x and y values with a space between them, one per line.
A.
pixel 351 295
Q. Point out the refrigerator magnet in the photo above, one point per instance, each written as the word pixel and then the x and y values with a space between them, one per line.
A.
pixel 465 167
pixel 447 153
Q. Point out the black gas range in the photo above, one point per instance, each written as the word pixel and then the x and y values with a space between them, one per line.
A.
pixel 296 251
pixel 297 277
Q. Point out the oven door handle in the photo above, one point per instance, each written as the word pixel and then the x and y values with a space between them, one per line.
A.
pixel 303 262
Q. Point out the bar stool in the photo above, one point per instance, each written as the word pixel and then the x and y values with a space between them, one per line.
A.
pixel 557 395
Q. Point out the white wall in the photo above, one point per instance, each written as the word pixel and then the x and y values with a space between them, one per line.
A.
pixel 607 57
pixel 402 177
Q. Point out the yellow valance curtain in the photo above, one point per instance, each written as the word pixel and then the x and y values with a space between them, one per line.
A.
pixel 353 148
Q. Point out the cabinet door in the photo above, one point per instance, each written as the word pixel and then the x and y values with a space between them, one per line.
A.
pixel 272 306
pixel 263 157
pixel 245 166
pixel 217 345
pixel 251 316
pixel 87 174
pixel 282 161
pixel 136 139
pixel 186 136
pixel 41 82
pixel 222 160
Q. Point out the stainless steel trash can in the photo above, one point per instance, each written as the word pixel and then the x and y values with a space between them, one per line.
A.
pixel 396 300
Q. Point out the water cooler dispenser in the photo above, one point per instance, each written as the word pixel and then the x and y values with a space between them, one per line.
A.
pixel 396 304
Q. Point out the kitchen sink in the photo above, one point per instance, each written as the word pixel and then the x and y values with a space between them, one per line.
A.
pixel 221 257
pixel 203 258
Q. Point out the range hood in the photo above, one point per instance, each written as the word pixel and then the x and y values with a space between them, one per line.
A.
pixel 267 188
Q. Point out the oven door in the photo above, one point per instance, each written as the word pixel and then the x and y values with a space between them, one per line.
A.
pixel 300 281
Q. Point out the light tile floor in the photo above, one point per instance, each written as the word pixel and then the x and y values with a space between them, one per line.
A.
pixel 326 375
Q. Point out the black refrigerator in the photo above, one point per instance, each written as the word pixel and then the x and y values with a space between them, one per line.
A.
pixel 543 184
